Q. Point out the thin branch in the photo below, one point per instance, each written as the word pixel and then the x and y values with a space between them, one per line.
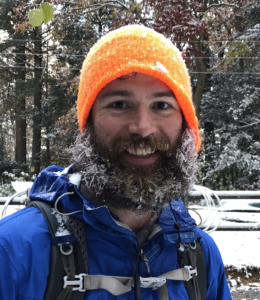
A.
pixel 14 74
pixel 112 3
pixel 31 51
pixel 97 8
pixel 118 2
pixel 43 70
pixel 30 65
pixel 109 2
pixel 249 124
pixel 223 4
pixel 68 2
pixel 19 58
pixel 24 61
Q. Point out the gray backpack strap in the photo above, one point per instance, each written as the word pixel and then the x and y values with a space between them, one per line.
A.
pixel 197 287
pixel 73 263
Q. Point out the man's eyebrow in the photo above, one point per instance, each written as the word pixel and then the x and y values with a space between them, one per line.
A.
pixel 164 94
pixel 122 93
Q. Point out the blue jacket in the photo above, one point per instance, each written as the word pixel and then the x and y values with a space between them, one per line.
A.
pixel 112 249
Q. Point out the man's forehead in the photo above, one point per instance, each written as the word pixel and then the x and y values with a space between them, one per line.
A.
pixel 135 79
pixel 139 77
pixel 125 86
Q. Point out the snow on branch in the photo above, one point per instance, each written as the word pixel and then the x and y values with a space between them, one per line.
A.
pixel 104 5
pixel 248 125
pixel 95 7
pixel 223 4
pixel 116 2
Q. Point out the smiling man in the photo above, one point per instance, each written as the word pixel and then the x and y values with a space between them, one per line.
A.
pixel 112 225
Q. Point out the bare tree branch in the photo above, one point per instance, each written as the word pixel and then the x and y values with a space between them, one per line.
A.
pixel 24 61
pixel 118 2
pixel 9 71
pixel 244 126
pixel 223 4
pixel 31 64
pixel 112 3
pixel 97 8
pixel 31 51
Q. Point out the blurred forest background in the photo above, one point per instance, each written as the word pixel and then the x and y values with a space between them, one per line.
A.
pixel 40 69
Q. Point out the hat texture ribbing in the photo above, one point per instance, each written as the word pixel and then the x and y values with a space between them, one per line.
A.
pixel 135 48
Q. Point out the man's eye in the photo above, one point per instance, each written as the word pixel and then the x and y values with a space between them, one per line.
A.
pixel 161 105
pixel 118 104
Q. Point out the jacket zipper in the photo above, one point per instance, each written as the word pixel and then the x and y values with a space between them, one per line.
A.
pixel 146 260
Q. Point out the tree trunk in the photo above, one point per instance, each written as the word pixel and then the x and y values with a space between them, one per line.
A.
pixel 209 143
pixel 20 124
pixel 36 144
pixel 48 151
pixel 201 79
pixel 201 68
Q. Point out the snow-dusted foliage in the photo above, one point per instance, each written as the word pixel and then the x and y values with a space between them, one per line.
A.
pixel 7 189
pixel 231 118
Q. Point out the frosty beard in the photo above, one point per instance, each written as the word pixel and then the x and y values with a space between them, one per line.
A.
pixel 122 185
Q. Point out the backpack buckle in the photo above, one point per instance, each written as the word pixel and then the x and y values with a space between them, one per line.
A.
pixel 77 284
pixel 152 282
pixel 191 272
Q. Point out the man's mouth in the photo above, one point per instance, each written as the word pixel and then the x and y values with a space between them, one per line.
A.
pixel 140 151
pixel 141 156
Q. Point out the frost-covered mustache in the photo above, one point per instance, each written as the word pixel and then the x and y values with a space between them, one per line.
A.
pixel 140 146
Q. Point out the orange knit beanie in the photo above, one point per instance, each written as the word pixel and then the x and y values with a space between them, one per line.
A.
pixel 135 48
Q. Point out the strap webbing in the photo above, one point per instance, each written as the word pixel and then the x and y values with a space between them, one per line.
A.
pixel 163 293
pixel 202 270
pixel 114 284
pixel 69 266
pixel 193 258
pixel 117 285
pixel 57 272
pixel 201 285
pixel 196 288
pixel 66 294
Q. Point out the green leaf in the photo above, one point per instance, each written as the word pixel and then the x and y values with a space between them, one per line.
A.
pixel 36 17
pixel 48 12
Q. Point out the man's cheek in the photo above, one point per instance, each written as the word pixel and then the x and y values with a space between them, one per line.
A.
pixel 103 138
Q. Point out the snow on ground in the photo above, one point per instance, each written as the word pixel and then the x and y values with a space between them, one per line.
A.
pixel 239 245
pixel 238 248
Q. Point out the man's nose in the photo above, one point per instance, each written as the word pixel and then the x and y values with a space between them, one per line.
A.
pixel 142 122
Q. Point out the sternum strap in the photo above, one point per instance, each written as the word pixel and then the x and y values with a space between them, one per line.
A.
pixel 117 285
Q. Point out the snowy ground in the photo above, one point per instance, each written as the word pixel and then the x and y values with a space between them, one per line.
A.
pixel 239 243
pixel 240 252
pixel 239 248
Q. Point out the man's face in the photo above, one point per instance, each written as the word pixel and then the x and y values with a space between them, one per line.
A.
pixel 137 106
pixel 134 153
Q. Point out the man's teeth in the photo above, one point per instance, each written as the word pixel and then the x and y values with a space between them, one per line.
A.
pixel 140 152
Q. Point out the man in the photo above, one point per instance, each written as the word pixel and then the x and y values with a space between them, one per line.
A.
pixel 134 158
